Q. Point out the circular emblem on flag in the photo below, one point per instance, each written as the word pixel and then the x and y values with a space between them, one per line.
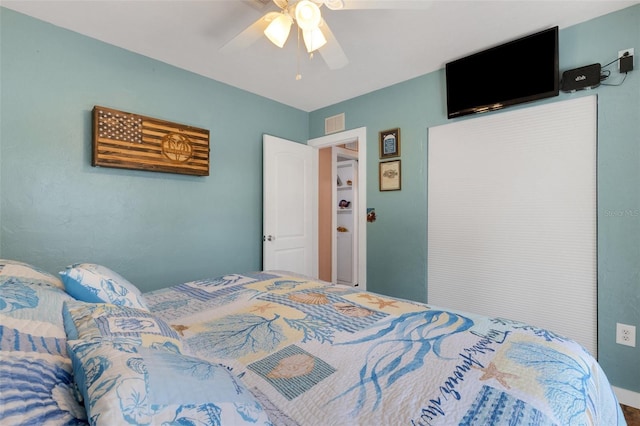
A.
pixel 176 147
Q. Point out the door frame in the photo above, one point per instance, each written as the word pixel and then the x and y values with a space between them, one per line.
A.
pixel 355 135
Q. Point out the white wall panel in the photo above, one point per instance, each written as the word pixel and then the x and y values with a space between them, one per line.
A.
pixel 512 217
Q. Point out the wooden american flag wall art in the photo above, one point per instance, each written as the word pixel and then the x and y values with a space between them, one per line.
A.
pixel 131 141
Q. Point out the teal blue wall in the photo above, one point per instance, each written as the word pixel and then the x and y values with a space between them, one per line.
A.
pixel 159 229
pixel 397 241
pixel 156 229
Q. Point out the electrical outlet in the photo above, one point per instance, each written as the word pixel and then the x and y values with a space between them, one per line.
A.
pixel 626 334
pixel 621 54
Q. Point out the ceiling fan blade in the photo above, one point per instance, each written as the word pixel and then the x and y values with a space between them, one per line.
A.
pixel 332 52
pixel 387 4
pixel 250 35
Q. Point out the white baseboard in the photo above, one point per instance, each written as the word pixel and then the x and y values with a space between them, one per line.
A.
pixel 627 397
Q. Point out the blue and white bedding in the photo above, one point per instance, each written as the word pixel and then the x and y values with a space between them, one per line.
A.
pixel 269 348
pixel 36 380
pixel 316 353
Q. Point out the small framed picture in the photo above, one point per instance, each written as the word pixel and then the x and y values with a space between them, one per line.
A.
pixel 390 143
pixel 390 175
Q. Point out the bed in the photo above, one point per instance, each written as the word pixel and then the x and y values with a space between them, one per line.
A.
pixel 272 347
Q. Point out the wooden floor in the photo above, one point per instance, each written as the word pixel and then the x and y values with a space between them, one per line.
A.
pixel 631 415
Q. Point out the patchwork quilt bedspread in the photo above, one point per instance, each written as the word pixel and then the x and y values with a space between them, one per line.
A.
pixel 317 353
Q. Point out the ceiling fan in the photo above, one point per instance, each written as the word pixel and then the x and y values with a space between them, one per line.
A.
pixel 306 16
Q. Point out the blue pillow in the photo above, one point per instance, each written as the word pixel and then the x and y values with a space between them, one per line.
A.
pixel 96 283
pixel 147 386
pixel 129 326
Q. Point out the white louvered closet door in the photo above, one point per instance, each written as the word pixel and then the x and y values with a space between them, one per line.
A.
pixel 512 217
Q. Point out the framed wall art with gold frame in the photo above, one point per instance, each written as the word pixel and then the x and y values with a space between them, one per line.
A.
pixel 389 175
pixel 389 143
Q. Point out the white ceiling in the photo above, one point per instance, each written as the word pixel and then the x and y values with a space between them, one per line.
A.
pixel 384 47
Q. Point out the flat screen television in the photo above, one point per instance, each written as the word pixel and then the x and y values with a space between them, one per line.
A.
pixel 519 71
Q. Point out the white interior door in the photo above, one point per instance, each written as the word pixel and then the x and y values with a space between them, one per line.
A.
pixel 290 203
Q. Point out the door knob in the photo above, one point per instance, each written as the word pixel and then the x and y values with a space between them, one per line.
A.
pixel 268 238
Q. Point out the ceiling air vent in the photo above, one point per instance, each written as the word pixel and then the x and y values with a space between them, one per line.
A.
pixel 334 124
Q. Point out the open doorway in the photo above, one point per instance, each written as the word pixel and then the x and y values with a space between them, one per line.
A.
pixel 351 218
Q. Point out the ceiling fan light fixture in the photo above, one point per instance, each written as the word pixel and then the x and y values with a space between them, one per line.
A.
pixel 313 39
pixel 278 30
pixel 334 4
pixel 307 15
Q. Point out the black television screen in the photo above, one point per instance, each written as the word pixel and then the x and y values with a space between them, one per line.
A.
pixel 519 71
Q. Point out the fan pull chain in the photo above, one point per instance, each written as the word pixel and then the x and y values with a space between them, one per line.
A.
pixel 298 74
